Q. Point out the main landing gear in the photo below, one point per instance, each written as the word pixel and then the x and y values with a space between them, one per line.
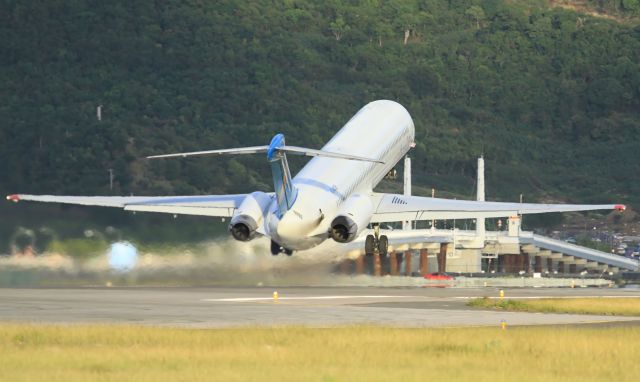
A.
pixel 277 249
pixel 376 242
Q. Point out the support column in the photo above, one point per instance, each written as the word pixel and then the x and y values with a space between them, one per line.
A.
pixel 360 265
pixel 514 226
pixel 442 258
pixel 527 263
pixel 424 262
pixel 550 264
pixel 508 263
pixel 480 222
pixel 393 264
pixel 538 264
pixel 345 267
pixel 407 263
pixel 385 265
pixel 560 266
pixel 377 265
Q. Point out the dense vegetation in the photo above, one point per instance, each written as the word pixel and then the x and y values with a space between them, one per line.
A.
pixel 621 10
pixel 550 96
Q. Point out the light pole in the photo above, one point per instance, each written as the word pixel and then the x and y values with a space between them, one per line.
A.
pixel 110 179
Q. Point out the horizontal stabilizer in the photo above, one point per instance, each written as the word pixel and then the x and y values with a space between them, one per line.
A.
pixel 320 153
pixel 263 149
pixel 238 151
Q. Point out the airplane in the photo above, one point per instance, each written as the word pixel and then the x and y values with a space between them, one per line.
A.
pixel 331 197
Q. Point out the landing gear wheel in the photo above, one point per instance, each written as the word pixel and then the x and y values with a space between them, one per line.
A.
pixel 287 252
pixel 275 248
pixel 369 245
pixel 383 245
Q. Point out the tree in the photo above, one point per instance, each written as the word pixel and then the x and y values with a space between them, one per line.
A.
pixel 476 13
pixel 631 5
pixel 338 28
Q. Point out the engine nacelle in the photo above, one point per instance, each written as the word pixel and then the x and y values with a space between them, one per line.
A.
pixel 249 216
pixel 353 217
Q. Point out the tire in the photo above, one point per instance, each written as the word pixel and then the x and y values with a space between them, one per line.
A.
pixel 288 252
pixel 383 245
pixel 275 248
pixel 369 245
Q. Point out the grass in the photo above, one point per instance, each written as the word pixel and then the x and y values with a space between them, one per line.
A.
pixel 116 353
pixel 601 306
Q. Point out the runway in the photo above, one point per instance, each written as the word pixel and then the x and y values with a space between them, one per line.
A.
pixel 312 306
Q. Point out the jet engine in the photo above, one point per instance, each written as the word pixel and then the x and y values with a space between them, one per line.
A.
pixel 353 216
pixel 249 216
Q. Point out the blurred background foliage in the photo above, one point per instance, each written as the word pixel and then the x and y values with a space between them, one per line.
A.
pixel 548 91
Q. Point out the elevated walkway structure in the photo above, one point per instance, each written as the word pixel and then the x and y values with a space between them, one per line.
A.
pixel 523 250
pixel 578 252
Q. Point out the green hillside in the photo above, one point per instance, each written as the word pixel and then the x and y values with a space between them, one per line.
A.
pixel 550 96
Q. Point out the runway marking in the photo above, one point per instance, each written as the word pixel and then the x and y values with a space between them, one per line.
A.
pixel 539 297
pixel 249 299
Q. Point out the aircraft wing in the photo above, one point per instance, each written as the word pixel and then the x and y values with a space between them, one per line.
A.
pixel 206 205
pixel 395 207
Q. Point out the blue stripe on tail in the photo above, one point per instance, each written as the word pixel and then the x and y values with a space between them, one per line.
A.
pixel 285 191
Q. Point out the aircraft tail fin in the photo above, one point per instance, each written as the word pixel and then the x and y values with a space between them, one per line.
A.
pixel 285 191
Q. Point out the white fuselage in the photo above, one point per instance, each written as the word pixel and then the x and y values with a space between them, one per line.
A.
pixel 381 130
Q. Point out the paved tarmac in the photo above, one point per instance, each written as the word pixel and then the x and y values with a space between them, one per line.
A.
pixel 313 306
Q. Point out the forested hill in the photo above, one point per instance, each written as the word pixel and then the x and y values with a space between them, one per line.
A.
pixel 550 96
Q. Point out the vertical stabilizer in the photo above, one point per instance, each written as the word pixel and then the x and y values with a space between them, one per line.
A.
pixel 285 191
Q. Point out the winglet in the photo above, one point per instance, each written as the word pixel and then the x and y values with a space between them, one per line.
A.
pixel 14 198
pixel 620 207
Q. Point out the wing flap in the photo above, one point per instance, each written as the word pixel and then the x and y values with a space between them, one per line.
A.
pixel 102 201
pixel 207 205
pixel 183 210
